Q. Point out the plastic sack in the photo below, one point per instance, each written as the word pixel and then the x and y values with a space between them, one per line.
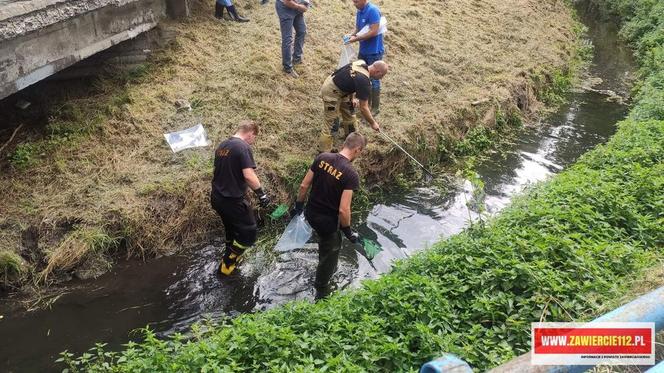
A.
pixel 297 233
pixel 347 56
pixel 382 28
pixel 188 138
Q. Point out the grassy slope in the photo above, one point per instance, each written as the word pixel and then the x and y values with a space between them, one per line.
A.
pixel 102 172
pixel 562 252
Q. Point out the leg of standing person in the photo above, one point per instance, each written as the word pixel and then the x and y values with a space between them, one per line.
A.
pixel 300 32
pixel 348 118
pixel 329 247
pixel 286 19
pixel 331 108
pixel 219 9
pixel 241 231
pixel 233 12
pixel 217 205
pixel 374 99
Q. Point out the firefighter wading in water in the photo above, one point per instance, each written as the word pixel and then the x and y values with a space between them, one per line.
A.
pixel 337 93
pixel 233 172
pixel 332 180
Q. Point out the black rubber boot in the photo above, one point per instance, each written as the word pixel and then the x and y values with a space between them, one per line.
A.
pixel 234 16
pixel 375 101
pixel 218 10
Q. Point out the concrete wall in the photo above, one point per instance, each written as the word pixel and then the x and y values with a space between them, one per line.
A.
pixel 40 38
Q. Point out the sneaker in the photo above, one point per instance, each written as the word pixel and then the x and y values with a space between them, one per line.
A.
pixel 291 73
pixel 297 62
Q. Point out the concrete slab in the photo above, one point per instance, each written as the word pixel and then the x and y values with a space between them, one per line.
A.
pixel 41 37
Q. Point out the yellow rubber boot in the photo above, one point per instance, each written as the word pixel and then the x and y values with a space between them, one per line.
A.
pixel 232 258
pixel 228 265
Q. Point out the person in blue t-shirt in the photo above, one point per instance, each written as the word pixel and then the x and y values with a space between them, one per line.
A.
pixel 371 43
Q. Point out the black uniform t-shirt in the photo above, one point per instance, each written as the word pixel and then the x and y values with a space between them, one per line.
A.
pixel 333 173
pixel 359 84
pixel 230 158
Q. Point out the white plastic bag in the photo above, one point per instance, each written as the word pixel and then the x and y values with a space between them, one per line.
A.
pixel 188 138
pixel 297 233
pixel 348 55
pixel 382 27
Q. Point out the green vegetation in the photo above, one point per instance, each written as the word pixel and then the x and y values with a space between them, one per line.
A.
pixel 643 27
pixel 12 266
pixel 558 253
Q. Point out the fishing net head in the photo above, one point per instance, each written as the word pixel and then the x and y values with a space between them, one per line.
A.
pixel 279 212
pixel 371 248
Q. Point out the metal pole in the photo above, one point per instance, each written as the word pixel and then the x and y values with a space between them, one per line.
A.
pixel 405 152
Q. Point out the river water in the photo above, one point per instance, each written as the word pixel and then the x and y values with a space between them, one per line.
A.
pixel 170 293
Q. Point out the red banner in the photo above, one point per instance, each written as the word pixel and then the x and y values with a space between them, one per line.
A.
pixel 593 341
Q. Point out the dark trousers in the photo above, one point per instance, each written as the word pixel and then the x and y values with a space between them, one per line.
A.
pixel 238 218
pixel 369 59
pixel 289 20
pixel 329 246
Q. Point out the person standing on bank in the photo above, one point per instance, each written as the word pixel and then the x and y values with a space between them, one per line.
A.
pixel 371 43
pixel 233 172
pixel 332 180
pixel 291 16
pixel 219 7
pixel 346 88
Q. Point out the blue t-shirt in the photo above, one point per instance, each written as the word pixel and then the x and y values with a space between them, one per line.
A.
pixel 369 15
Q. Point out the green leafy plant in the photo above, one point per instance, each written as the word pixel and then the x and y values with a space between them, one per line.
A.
pixel 559 253
pixel 24 156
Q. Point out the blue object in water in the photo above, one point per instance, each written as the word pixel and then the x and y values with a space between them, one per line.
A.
pixel 448 363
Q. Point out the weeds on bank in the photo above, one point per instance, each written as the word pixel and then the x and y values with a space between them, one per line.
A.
pixel 12 267
pixel 79 244
pixel 107 154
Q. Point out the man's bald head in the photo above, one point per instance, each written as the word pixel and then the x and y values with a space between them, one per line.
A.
pixel 378 69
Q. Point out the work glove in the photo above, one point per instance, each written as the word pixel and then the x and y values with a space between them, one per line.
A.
pixel 263 199
pixel 352 236
pixel 297 210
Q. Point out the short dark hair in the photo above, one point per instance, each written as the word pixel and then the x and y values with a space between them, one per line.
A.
pixel 247 126
pixel 354 141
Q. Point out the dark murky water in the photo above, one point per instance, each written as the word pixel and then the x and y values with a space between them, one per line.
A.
pixel 171 293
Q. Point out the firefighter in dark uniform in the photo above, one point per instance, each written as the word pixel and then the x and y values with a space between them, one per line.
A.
pixel 332 180
pixel 346 88
pixel 233 172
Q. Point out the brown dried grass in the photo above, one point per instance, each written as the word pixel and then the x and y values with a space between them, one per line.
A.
pixel 122 177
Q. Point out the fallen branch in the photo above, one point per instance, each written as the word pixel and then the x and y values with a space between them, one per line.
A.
pixel 11 138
